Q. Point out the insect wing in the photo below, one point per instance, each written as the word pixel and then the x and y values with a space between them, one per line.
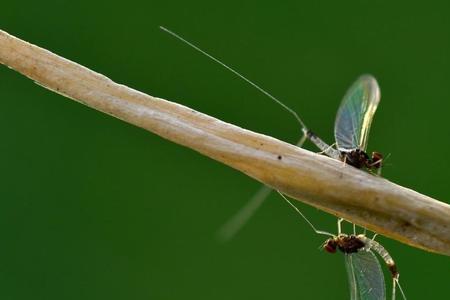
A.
pixel 236 222
pixel 354 117
pixel 366 278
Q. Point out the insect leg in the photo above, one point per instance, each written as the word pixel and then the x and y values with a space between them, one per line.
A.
pixel 339 222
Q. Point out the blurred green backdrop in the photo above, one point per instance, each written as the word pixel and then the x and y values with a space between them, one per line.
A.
pixel 93 208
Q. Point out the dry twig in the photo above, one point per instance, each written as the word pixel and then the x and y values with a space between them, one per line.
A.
pixel 366 200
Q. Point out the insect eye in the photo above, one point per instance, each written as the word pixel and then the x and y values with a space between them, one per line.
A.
pixel 330 246
pixel 377 159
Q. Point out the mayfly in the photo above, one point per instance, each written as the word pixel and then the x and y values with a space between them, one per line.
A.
pixel 352 126
pixel 351 131
pixel 365 276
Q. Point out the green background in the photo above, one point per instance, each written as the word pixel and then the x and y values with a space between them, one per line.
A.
pixel 93 208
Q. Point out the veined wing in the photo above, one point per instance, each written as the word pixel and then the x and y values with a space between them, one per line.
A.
pixel 354 117
pixel 366 279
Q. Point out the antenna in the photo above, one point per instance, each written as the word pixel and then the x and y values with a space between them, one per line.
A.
pixel 232 226
pixel 304 128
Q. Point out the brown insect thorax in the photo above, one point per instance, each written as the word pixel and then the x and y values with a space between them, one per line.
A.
pixel 345 243
pixel 360 159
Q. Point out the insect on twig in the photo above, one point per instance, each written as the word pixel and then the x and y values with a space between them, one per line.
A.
pixel 351 132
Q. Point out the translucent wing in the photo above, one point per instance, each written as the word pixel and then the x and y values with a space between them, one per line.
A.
pixel 228 230
pixel 236 222
pixel 366 279
pixel 355 114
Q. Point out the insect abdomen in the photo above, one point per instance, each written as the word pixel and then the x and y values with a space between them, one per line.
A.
pixel 381 251
pixel 327 149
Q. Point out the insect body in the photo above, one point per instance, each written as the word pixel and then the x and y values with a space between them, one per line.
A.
pixel 355 243
pixel 351 128
pixel 363 269
pixel 365 276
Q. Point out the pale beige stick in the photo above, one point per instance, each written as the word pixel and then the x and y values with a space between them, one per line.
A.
pixel 344 191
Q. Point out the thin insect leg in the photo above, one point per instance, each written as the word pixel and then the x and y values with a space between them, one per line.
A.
pixel 330 151
pixel 374 236
pixel 377 162
pixel 325 150
pixel 344 162
pixel 339 221
pixel 322 246
pixel 302 140
pixel 303 216
pixel 379 172
pixel 355 228
pixel 381 164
